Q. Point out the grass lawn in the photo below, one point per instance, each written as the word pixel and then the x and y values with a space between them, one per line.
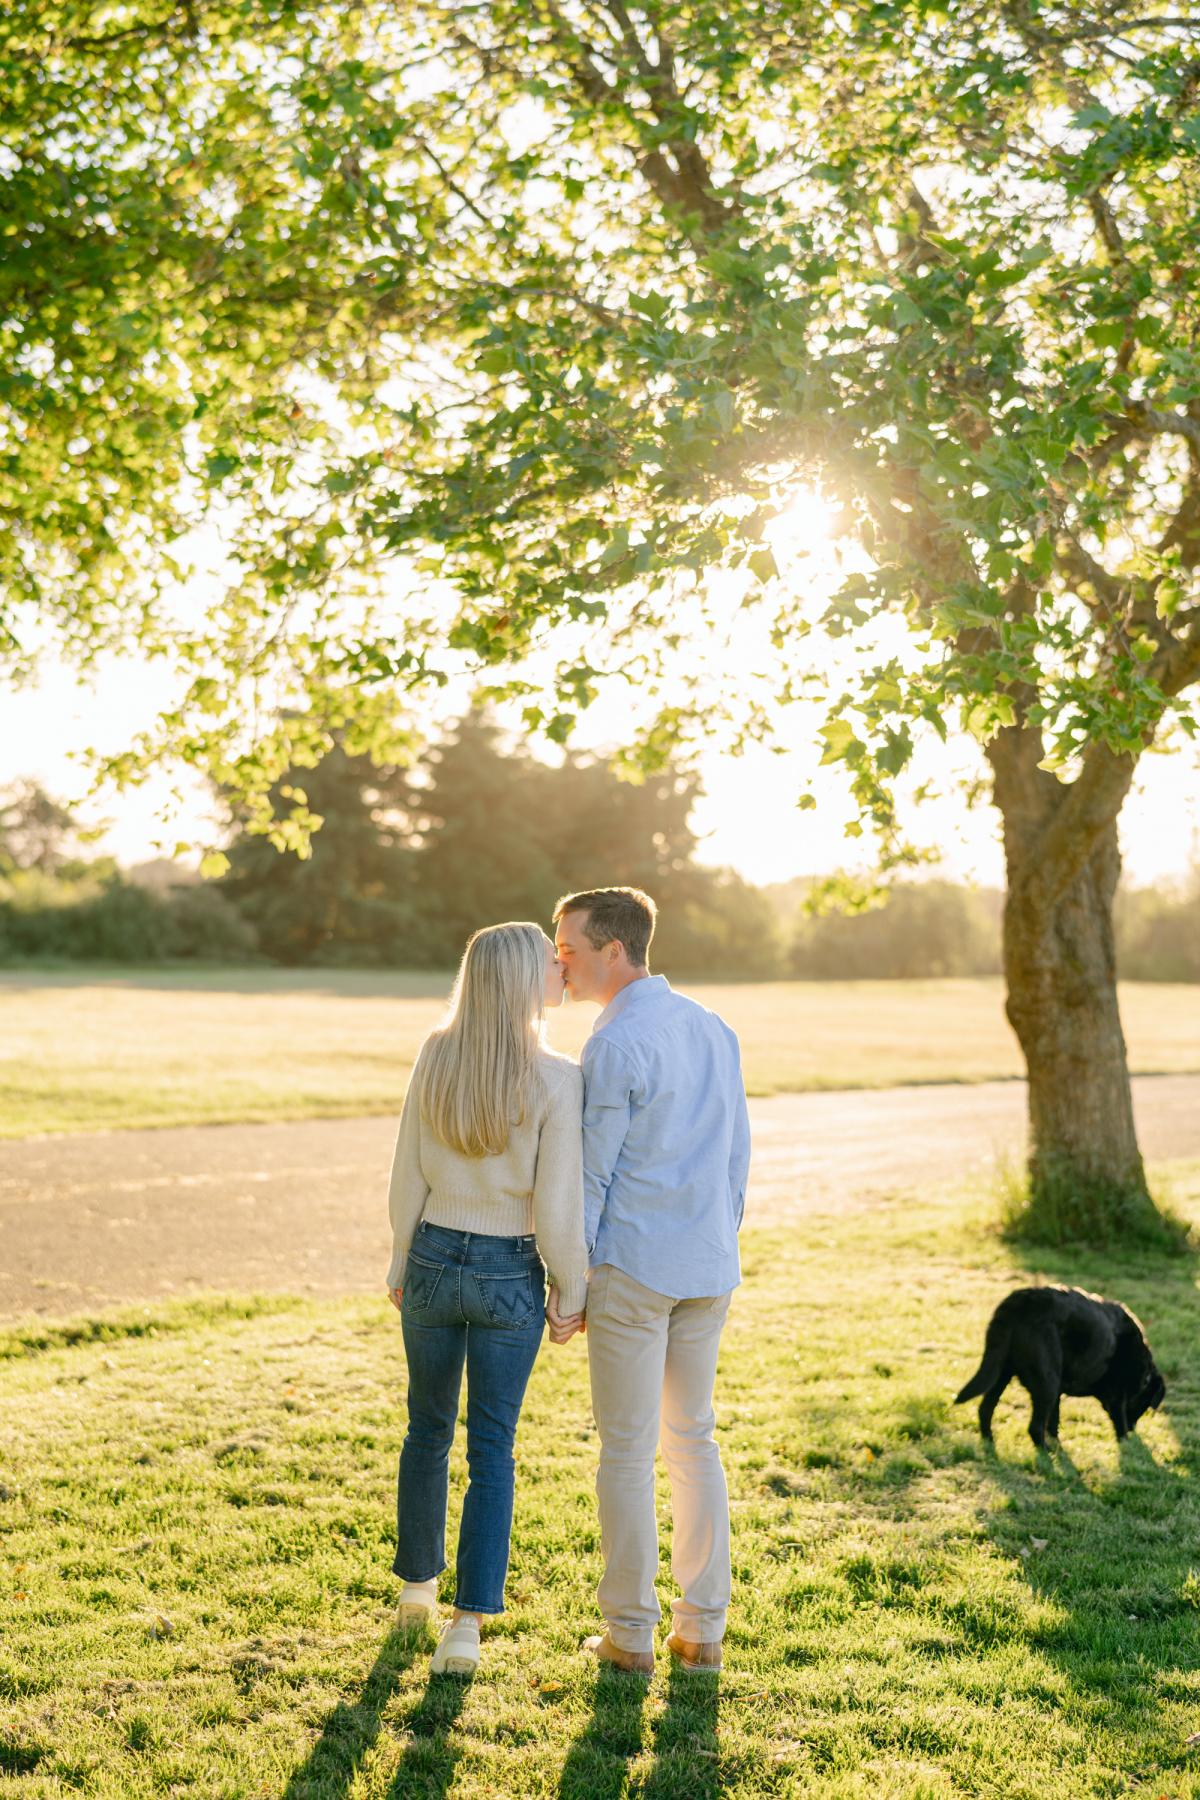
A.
pixel 195 1587
pixel 92 1049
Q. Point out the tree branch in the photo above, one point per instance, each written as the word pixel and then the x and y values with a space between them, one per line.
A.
pixel 143 28
pixel 1149 421
pixel 1106 224
pixel 1024 793
pixel 1184 529
pixel 1118 28
pixel 668 103
pixel 1177 665
pixel 1088 808
pixel 687 187
pixel 453 186
pixel 1081 566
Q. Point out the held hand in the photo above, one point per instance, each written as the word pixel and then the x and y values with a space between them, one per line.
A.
pixel 395 1295
pixel 563 1326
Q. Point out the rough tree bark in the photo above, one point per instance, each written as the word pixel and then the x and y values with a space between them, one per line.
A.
pixel 1060 969
pixel 1063 863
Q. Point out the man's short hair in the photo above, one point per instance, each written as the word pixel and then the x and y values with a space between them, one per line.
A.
pixel 623 914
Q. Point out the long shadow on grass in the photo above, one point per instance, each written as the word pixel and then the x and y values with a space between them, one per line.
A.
pixel 352 1728
pixel 684 1741
pixel 597 1765
pixel 1113 1552
pixel 686 1752
pixel 428 1763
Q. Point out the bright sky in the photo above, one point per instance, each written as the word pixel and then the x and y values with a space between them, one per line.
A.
pixel 748 819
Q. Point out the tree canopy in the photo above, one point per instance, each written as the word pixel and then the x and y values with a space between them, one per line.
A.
pixel 555 302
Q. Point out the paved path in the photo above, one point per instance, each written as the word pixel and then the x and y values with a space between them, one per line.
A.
pixel 91 1221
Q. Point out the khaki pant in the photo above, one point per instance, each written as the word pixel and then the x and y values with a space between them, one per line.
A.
pixel 653 1361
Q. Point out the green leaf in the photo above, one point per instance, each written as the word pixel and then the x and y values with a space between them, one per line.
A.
pixel 1042 558
pixel 840 740
pixel 616 548
pixel 895 752
pixel 722 405
pixel 1094 113
pixel 1108 334
pixel 651 306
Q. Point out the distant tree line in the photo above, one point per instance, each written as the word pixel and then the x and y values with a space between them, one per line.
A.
pixel 941 928
pixel 406 864
pixel 1158 934
pixel 921 928
pixel 409 861
pixel 56 902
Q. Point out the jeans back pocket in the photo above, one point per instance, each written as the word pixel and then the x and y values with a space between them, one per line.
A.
pixel 421 1281
pixel 511 1299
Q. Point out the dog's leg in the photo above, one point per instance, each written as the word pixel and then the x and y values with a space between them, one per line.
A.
pixel 1044 1382
pixel 1119 1414
pixel 987 1405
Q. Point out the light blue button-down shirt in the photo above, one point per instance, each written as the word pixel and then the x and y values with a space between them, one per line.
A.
pixel 666 1142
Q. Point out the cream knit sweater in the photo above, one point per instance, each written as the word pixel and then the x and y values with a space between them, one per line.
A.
pixel 533 1187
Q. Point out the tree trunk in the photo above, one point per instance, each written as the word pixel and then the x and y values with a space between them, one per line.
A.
pixel 1060 965
pixel 1086 1179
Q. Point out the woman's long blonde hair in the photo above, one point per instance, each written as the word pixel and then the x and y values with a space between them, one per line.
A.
pixel 480 1068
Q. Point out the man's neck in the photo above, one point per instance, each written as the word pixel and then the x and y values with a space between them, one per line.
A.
pixel 619 984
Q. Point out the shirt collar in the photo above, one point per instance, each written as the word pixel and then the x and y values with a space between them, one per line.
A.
pixel 628 996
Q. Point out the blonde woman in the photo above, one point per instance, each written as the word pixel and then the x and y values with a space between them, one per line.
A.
pixel 486 1196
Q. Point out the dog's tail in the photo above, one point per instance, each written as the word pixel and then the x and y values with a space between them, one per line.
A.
pixel 988 1371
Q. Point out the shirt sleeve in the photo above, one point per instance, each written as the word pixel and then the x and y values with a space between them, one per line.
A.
pixel 408 1189
pixel 558 1191
pixel 739 1149
pixel 607 1095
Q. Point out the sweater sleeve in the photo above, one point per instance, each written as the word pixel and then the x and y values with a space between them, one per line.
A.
pixel 558 1190
pixel 408 1189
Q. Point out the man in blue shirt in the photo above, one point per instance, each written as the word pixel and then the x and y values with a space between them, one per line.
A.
pixel 666 1153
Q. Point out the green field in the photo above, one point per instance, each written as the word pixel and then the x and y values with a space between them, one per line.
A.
pixel 197 1516
pixel 105 1049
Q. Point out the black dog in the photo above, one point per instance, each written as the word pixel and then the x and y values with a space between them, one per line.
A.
pixel 1060 1340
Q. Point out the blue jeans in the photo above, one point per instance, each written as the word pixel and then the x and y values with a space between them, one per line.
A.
pixel 476 1301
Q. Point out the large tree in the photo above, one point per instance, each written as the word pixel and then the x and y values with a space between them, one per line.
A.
pixel 560 299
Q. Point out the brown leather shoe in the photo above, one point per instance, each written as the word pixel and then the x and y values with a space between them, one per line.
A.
pixel 695 1658
pixel 635 1662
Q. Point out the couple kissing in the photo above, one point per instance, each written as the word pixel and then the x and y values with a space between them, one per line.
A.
pixel 604 1197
